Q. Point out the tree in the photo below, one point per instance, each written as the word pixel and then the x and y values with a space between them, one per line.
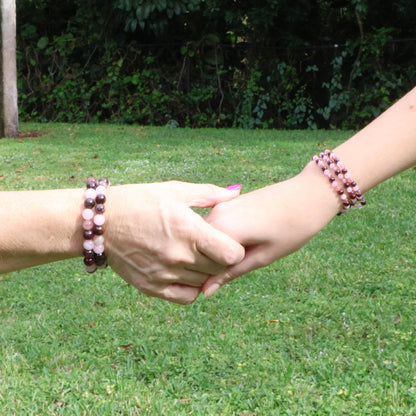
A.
pixel 9 119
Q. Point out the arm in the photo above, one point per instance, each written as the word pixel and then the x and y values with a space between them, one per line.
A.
pixel 274 221
pixel 154 240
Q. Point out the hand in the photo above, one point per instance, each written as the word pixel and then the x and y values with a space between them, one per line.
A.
pixel 157 243
pixel 274 221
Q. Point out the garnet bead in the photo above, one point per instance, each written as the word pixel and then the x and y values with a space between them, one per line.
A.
pixel 89 203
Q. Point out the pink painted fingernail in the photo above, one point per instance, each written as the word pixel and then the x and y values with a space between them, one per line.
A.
pixel 235 187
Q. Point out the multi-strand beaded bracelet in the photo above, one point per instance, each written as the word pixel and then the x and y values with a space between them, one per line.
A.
pixel 337 174
pixel 93 224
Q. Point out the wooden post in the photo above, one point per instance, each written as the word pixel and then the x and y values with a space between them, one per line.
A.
pixel 9 116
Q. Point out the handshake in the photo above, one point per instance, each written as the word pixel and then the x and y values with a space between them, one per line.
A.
pixel 159 244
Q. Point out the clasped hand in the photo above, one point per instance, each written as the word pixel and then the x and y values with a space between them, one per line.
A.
pixel 157 243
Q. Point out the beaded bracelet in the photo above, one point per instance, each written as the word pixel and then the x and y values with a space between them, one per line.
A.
pixel 93 224
pixel 337 173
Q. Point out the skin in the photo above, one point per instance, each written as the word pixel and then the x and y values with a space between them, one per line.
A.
pixel 277 220
pixel 153 238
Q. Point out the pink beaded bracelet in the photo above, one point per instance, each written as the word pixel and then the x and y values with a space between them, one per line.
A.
pixel 93 224
pixel 337 174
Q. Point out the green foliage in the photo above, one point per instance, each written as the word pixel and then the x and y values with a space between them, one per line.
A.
pixel 216 63
pixel 153 15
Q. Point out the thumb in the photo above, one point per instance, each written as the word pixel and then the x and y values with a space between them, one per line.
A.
pixel 217 245
pixel 208 195
pixel 250 262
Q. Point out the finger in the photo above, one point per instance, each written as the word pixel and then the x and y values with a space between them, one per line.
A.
pixel 182 294
pixel 205 265
pixel 179 275
pixel 207 195
pixel 253 260
pixel 217 245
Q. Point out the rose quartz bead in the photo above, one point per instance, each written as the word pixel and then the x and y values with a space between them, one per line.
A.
pixel 101 190
pixel 99 240
pixel 90 193
pixel 99 219
pixel 348 176
pixel 88 214
pixel 337 188
pixel 87 225
pixel 98 249
pixel 88 245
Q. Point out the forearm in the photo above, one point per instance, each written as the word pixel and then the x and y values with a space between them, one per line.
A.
pixel 385 147
pixel 39 227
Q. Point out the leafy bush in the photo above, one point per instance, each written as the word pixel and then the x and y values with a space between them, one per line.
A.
pixel 278 63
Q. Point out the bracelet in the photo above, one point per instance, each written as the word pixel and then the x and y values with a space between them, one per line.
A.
pixel 337 173
pixel 93 224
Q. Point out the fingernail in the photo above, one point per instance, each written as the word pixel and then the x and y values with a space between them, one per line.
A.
pixel 235 187
pixel 211 290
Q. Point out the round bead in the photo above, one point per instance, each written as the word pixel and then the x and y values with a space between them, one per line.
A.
pixel 88 245
pixel 100 259
pixel 98 230
pixel 88 214
pixel 91 183
pixel 99 240
pixel 100 199
pixel 88 234
pixel 101 190
pixel 90 193
pixel 88 254
pixel 89 261
pixel 87 225
pixel 99 249
pixel 100 208
pixel 99 219
pixel 91 269
pixel 103 181
pixel 89 203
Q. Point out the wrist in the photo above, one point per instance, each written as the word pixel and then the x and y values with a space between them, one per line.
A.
pixel 321 201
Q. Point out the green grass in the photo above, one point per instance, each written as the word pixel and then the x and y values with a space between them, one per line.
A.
pixel 344 342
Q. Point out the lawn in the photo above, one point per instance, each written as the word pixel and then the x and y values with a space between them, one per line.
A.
pixel 329 330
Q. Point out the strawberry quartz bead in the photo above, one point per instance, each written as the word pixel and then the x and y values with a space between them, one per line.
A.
pixel 88 225
pixel 99 220
pixel 90 193
pixel 87 214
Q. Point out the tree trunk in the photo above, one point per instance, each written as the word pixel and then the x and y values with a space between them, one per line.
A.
pixel 9 117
